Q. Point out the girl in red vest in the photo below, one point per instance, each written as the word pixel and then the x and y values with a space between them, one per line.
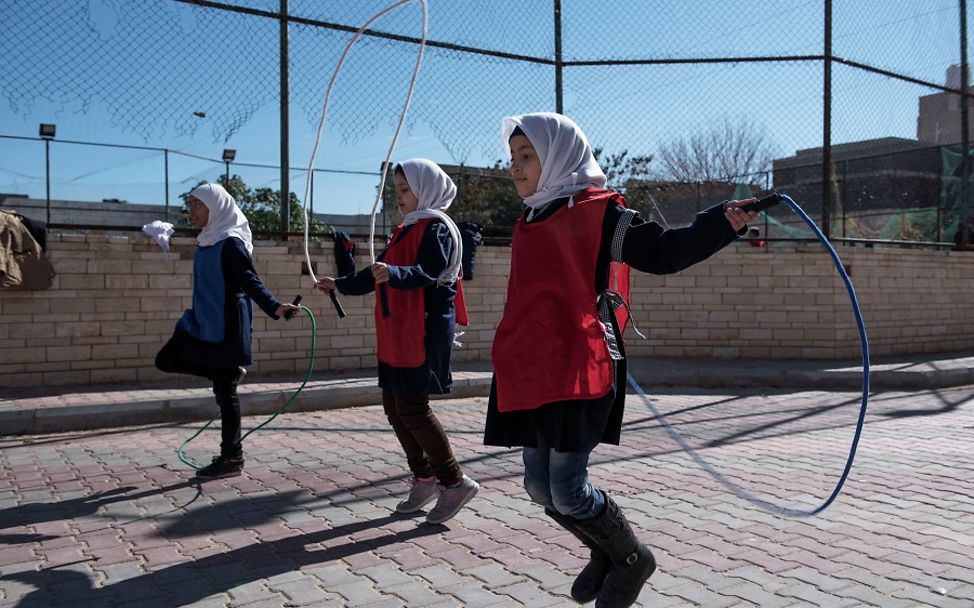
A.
pixel 421 268
pixel 558 357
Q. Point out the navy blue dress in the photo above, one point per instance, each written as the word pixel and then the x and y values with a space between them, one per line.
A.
pixel 217 331
pixel 433 376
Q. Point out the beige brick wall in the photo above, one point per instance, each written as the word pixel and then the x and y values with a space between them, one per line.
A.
pixel 115 301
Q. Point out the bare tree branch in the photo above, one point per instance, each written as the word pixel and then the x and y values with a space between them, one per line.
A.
pixel 727 152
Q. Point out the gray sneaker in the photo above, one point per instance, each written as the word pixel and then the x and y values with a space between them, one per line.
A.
pixel 419 495
pixel 451 500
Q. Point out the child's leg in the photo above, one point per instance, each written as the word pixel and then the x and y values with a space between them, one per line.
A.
pixel 537 481
pixel 170 360
pixel 415 457
pixel 422 437
pixel 428 449
pixel 544 469
pixel 571 492
pixel 632 562
pixel 558 481
pixel 225 390
pixel 230 461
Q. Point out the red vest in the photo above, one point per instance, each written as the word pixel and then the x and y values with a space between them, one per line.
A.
pixel 401 337
pixel 550 344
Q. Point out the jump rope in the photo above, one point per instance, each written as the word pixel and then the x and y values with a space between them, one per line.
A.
pixel 760 205
pixel 307 189
pixel 737 490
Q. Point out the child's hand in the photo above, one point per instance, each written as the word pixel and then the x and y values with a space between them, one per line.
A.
pixel 326 284
pixel 283 309
pixel 380 272
pixel 738 218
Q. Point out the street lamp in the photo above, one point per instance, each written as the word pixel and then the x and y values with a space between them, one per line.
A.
pixel 47 131
pixel 228 155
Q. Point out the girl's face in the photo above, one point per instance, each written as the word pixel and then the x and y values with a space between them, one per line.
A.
pixel 199 214
pixel 525 166
pixel 405 198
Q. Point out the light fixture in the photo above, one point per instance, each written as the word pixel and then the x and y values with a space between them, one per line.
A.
pixel 229 154
pixel 47 130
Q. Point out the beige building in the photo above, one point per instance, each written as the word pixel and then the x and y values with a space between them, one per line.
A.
pixel 939 118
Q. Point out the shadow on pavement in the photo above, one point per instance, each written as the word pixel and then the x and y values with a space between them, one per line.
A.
pixel 39 512
pixel 195 580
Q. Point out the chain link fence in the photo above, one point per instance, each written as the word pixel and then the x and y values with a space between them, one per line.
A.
pixel 855 109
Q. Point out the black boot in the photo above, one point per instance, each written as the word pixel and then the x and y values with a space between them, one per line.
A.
pixel 589 580
pixel 632 561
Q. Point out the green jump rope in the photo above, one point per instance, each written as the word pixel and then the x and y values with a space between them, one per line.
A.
pixel 278 412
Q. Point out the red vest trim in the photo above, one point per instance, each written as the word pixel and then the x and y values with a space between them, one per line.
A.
pixel 460 303
pixel 401 337
pixel 550 344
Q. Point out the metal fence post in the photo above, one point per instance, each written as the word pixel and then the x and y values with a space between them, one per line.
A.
pixel 559 100
pixel 165 156
pixel 964 127
pixel 285 121
pixel 47 175
pixel 827 120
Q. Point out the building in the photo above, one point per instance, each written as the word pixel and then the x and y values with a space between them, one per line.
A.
pixel 939 116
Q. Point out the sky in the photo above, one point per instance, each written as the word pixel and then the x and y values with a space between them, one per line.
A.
pixel 133 73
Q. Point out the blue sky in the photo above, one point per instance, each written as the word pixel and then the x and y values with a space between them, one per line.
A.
pixel 133 73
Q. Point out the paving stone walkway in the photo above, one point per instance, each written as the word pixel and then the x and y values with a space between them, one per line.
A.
pixel 110 517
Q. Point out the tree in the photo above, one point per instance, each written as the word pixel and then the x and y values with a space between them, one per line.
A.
pixel 262 206
pixel 622 172
pixel 484 195
pixel 487 197
pixel 727 152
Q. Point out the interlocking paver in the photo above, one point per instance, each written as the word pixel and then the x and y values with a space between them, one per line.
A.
pixel 302 592
pixel 99 518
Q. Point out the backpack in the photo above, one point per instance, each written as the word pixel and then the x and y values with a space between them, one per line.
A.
pixel 471 235
pixel 23 264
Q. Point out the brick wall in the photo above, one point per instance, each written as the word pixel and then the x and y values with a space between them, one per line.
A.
pixel 116 299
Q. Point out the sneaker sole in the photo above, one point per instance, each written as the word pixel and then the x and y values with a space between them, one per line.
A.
pixel 417 508
pixel 440 520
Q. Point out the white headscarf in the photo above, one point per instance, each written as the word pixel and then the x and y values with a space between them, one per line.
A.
pixel 226 218
pixel 567 163
pixel 435 191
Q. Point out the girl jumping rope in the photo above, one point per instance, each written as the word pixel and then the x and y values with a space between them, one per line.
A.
pixel 213 338
pixel 421 268
pixel 559 361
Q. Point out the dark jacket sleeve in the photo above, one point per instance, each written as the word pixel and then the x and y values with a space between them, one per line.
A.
pixel 358 283
pixel 649 247
pixel 431 260
pixel 239 267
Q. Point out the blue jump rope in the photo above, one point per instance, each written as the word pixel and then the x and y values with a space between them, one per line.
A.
pixel 761 205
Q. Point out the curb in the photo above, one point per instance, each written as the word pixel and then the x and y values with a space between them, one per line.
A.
pixel 335 394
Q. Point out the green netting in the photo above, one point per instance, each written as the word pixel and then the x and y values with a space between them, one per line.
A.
pixel 778 229
pixel 918 224
pixel 951 200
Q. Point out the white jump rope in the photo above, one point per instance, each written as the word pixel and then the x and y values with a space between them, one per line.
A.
pixel 307 190
pixel 392 145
